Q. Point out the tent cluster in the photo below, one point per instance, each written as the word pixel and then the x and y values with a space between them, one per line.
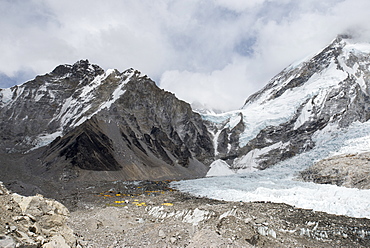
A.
pixel 125 202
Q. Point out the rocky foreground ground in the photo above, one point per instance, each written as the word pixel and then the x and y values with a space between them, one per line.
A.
pixel 150 214
pixel 33 221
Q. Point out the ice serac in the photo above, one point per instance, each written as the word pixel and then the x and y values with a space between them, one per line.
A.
pixel 83 118
pixel 279 121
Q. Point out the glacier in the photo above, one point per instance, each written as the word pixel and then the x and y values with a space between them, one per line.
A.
pixel 243 182
pixel 279 184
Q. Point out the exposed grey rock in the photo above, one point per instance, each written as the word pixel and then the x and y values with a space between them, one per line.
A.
pixel 351 170
pixel 3 189
pixel 228 140
pixel 161 234
pixel 6 241
pixel 56 242
pixel 33 221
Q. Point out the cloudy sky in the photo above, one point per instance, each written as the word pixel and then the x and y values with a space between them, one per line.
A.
pixel 216 52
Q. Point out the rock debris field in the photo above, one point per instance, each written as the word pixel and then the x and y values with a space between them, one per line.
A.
pixel 150 214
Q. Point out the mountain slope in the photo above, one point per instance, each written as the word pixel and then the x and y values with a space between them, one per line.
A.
pixel 329 90
pixel 122 123
pixel 103 121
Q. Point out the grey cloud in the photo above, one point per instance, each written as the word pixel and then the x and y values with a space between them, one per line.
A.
pixel 216 52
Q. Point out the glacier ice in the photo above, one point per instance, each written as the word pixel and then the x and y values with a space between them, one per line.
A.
pixel 279 184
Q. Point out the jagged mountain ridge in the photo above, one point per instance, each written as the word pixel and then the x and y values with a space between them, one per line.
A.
pixel 52 104
pixel 104 121
pixel 331 89
pixel 140 128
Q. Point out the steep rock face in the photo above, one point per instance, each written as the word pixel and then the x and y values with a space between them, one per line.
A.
pixel 280 120
pixel 159 119
pixel 104 121
pixel 228 140
pixel 86 147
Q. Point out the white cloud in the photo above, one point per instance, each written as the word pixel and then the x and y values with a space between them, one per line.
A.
pixel 219 89
pixel 284 32
pixel 217 52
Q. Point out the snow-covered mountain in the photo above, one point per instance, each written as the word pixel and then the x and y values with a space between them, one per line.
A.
pixel 310 123
pixel 82 117
pixel 329 91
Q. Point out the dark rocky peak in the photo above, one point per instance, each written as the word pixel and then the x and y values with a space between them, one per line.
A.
pixel 136 75
pixel 79 70
pixel 342 37
pixel 62 70
pixel 131 70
